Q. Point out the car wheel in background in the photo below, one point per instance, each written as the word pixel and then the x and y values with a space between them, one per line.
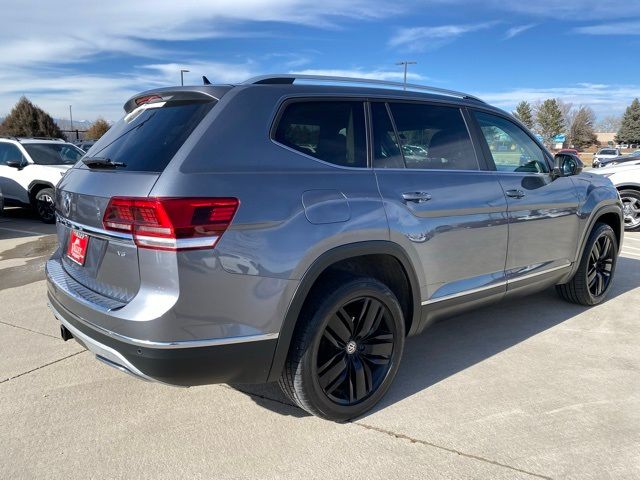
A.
pixel 346 348
pixel 45 205
pixel 592 280
pixel 631 209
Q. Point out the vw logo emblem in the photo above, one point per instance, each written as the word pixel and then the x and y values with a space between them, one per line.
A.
pixel 66 203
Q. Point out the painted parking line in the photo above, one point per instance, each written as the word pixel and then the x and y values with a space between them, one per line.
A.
pixel 28 232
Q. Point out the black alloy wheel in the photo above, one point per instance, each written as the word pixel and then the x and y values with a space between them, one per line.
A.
pixel 355 350
pixel 346 348
pixel 45 205
pixel 600 267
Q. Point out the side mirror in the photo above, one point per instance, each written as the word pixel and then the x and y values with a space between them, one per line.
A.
pixel 566 165
pixel 19 164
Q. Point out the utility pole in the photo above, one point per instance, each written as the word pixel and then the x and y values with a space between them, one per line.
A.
pixel 70 118
pixel 405 63
pixel 182 72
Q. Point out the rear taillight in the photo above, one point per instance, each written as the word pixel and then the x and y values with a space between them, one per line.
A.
pixel 171 223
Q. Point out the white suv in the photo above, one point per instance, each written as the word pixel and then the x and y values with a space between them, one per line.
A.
pixel 626 178
pixel 31 168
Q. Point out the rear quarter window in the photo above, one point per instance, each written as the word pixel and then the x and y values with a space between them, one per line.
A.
pixel 147 141
pixel 332 131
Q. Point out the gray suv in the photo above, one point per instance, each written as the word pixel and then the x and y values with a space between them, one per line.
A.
pixel 297 229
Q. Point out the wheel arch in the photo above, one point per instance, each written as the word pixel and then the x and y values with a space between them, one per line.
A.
pixel 36 186
pixel 354 258
pixel 611 214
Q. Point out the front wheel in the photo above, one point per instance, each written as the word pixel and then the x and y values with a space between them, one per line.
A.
pixel 592 280
pixel 346 349
pixel 45 205
pixel 631 209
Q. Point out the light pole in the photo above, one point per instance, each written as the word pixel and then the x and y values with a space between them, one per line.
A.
pixel 182 72
pixel 405 63
pixel 70 117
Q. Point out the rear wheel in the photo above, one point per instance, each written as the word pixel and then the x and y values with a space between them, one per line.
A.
pixel 345 354
pixel 45 206
pixel 590 284
pixel 631 209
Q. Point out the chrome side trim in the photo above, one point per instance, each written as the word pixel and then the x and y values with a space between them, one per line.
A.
pixel 535 274
pixel 95 231
pixel 210 342
pixel 494 285
pixel 465 292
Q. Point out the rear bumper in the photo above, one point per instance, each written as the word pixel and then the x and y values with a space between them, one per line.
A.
pixel 230 360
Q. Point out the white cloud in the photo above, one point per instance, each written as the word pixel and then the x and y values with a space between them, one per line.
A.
pixel 104 95
pixel 604 99
pixel 430 38
pixel 517 30
pixel 616 28
pixel 75 31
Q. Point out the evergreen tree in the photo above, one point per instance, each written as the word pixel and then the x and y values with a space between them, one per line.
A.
pixel 97 129
pixel 524 113
pixel 630 126
pixel 27 120
pixel 581 131
pixel 550 120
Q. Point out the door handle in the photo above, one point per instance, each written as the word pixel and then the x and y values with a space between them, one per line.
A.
pixel 515 193
pixel 418 197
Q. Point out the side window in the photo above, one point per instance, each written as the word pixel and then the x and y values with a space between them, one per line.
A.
pixel 512 148
pixel 386 150
pixel 433 137
pixel 327 130
pixel 9 152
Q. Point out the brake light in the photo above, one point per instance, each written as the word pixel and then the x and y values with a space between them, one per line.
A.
pixel 147 99
pixel 171 223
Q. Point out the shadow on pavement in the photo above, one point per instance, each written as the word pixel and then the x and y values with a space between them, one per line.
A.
pixel 457 343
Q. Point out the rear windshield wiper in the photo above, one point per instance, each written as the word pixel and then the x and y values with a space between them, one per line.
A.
pixel 99 162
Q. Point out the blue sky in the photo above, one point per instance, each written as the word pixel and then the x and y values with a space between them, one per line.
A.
pixel 94 55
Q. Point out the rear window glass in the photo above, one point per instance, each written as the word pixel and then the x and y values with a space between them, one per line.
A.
pixel 147 141
pixel 607 152
pixel 327 130
pixel 53 153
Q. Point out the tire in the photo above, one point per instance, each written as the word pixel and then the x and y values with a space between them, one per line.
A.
pixel 592 280
pixel 339 369
pixel 44 205
pixel 631 202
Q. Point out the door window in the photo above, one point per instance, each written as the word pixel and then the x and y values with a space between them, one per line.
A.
pixel 386 149
pixel 330 131
pixel 9 152
pixel 433 137
pixel 512 149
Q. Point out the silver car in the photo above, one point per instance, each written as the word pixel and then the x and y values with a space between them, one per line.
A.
pixel 276 230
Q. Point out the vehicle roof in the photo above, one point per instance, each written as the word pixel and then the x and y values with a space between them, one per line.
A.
pixel 32 140
pixel 320 88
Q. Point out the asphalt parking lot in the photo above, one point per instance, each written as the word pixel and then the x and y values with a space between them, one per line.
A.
pixel 530 388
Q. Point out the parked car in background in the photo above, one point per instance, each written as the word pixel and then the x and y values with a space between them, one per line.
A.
pixel 571 151
pixel 604 154
pixel 277 231
pixel 626 178
pixel 619 160
pixel 85 145
pixel 31 168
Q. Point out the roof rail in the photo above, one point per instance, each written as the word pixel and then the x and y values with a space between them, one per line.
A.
pixel 10 137
pixel 290 78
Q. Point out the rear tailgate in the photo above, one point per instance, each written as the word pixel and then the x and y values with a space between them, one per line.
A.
pixel 140 146
pixel 110 265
